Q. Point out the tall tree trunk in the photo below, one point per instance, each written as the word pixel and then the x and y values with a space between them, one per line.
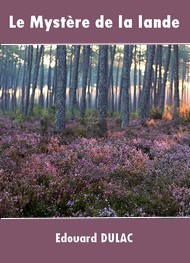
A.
pixel 156 75
pixel 48 95
pixel 163 90
pixel 22 106
pixel 159 74
pixel 41 97
pixel 183 73
pixel 125 86
pixel 117 82
pixel 61 87
pixel 102 84
pixel 12 85
pixel 55 79
pixel 50 79
pixel 15 88
pixel 86 58
pixel 74 81
pixel 120 90
pixel 35 77
pixel 135 81
pixel 5 81
pixel 70 67
pixel 110 76
pixel 89 80
pixel 171 86
pixel 176 82
pixel 139 79
pixel 97 80
pixel 28 77
pixel 147 84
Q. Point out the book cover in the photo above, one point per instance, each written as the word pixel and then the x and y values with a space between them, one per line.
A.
pixel 94 131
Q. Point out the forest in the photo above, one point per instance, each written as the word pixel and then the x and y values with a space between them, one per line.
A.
pixel 94 130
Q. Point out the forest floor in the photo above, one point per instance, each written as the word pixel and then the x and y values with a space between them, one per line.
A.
pixel 139 171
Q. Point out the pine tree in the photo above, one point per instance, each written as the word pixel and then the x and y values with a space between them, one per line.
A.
pixel 126 85
pixel 102 85
pixel 176 82
pixel 61 87
pixel 86 57
pixel 146 84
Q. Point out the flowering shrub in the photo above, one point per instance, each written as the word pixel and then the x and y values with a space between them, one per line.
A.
pixel 182 196
pixel 140 172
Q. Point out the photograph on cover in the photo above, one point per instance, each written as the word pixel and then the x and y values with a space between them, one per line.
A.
pixel 94 130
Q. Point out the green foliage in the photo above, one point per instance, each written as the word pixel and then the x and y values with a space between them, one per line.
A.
pixel 135 114
pixel 91 113
pixel 114 114
pixel 75 115
pixel 156 113
pixel 18 117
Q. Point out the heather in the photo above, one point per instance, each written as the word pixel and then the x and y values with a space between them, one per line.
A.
pixel 138 171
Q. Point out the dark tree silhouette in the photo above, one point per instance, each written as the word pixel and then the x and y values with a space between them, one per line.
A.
pixel 49 81
pixel 110 76
pixel 102 85
pixel 41 97
pixel 135 80
pixel 74 80
pixel 24 81
pixel 86 58
pixel 35 77
pixel 125 86
pixel 61 87
pixel 176 82
pixel 146 84
pixel 163 90
pixel 28 77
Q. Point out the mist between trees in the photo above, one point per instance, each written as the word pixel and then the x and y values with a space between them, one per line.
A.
pixel 107 78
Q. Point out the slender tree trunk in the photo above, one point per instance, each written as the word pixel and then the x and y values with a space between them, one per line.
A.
pixel 55 79
pixel 41 97
pixel 22 106
pixel 139 79
pixel 171 86
pixel 117 82
pixel 163 91
pixel 48 95
pixel 125 86
pixel 147 84
pixel 89 80
pixel 102 84
pixel 35 77
pixel 28 77
pixel 156 75
pixel 70 67
pixel 120 90
pixel 86 57
pixel 61 87
pixel 110 76
pixel 159 75
pixel 5 82
pixel 183 80
pixel 74 81
pixel 135 81
pixel 50 80
pixel 97 80
pixel 176 82
pixel 12 85
pixel 15 88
